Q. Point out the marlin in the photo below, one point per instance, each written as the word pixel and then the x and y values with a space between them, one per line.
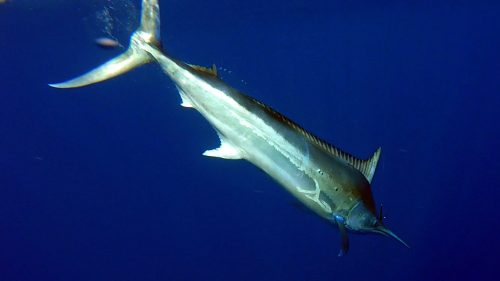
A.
pixel 332 183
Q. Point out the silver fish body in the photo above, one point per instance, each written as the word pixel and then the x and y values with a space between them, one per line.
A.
pixel 332 183
pixel 250 130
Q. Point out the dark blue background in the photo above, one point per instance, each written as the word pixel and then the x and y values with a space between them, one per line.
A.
pixel 108 182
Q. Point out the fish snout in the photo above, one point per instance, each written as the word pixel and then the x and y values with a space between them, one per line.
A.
pixel 386 232
pixel 361 219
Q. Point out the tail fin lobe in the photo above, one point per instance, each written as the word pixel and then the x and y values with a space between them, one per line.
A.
pixel 150 22
pixel 127 61
pixel 148 33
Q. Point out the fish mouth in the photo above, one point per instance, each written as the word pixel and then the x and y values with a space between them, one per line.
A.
pixel 386 232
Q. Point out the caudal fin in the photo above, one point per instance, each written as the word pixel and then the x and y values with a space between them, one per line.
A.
pixel 148 33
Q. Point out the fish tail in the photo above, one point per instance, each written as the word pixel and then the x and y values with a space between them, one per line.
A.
pixel 147 35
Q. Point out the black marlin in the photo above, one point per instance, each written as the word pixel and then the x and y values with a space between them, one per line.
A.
pixel 333 184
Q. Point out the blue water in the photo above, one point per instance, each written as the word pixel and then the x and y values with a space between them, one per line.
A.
pixel 108 182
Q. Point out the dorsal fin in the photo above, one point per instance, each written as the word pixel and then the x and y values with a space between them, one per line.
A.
pixel 207 70
pixel 366 167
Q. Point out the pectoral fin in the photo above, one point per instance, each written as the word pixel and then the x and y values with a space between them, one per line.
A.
pixel 343 235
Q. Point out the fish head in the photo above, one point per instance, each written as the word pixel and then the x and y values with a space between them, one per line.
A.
pixel 361 219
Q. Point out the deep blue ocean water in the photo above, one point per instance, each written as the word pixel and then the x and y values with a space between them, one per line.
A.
pixel 108 182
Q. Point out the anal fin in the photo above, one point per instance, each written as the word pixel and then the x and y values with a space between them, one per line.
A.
pixel 186 102
pixel 225 150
